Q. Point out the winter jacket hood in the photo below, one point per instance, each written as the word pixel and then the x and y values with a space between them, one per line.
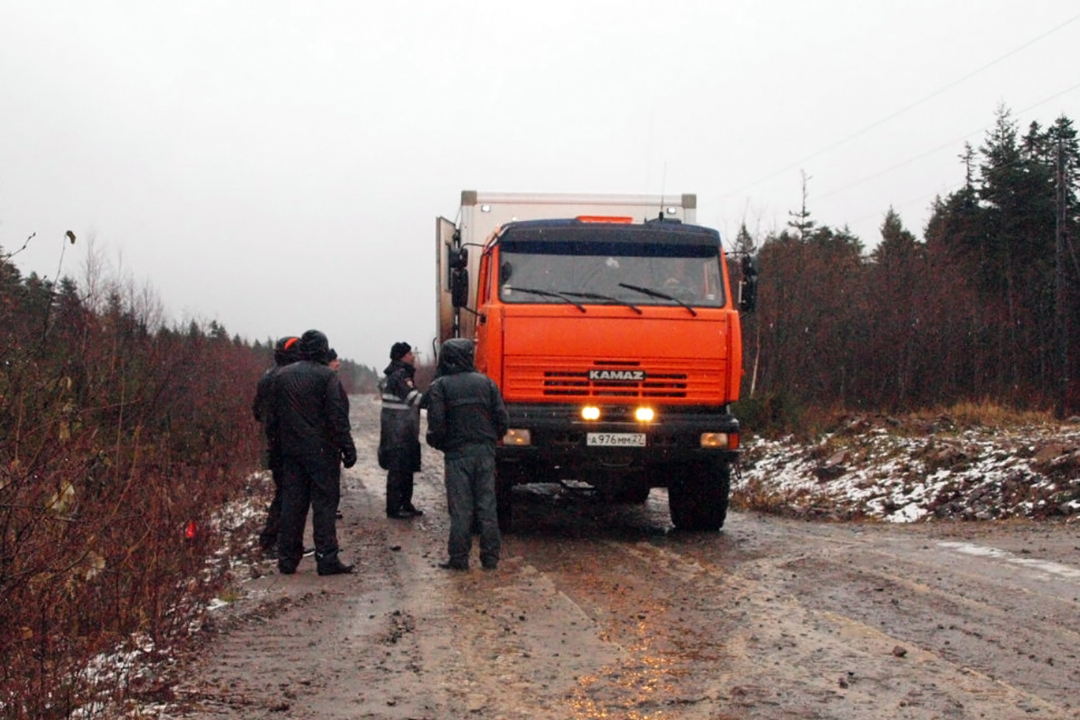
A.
pixel 314 346
pixel 457 356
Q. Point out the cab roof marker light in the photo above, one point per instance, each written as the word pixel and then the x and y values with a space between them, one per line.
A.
pixel 605 219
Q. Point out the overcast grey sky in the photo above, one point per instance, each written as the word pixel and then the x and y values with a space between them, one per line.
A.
pixel 278 166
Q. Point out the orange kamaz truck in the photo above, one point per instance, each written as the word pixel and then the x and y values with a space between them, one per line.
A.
pixel 609 325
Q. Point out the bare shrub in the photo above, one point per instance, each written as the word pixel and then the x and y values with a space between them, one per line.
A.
pixel 117 436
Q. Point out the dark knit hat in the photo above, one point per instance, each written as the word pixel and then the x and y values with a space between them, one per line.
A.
pixel 331 355
pixel 314 346
pixel 400 350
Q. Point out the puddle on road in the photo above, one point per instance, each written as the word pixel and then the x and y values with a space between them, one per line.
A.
pixel 1044 566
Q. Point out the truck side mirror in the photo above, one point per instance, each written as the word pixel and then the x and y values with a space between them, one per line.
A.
pixel 458 257
pixel 459 287
pixel 748 284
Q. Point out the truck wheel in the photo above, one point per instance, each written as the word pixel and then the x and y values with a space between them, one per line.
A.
pixel 698 496
pixel 504 485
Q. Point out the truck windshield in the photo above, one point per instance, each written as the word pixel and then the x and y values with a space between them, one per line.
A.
pixel 604 273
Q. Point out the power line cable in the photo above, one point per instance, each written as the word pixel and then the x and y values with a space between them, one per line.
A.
pixel 905 109
pixel 953 187
pixel 938 148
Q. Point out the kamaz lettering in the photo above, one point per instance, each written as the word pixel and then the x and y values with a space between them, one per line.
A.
pixel 631 375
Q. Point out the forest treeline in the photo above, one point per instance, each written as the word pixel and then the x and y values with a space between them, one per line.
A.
pixel 985 306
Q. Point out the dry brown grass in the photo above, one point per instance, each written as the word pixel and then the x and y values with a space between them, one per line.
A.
pixel 985 413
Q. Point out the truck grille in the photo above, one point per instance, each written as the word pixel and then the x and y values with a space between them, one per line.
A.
pixel 578 384
pixel 689 380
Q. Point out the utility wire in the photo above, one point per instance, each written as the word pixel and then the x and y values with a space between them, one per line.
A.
pixel 938 148
pixel 953 187
pixel 905 109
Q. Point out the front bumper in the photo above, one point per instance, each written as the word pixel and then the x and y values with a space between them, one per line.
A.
pixel 559 436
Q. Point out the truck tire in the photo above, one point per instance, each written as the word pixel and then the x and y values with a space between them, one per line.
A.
pixel 504 486
pixel 698 496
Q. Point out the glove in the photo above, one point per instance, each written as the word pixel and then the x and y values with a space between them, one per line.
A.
pixel 348 457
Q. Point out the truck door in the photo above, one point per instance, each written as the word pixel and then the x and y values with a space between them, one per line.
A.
pixel 444 234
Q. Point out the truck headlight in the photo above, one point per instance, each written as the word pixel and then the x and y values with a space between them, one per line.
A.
pixel 590 412
pixel 645 414
pixel 517 436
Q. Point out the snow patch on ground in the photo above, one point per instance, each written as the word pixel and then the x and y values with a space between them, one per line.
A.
pixel 865 470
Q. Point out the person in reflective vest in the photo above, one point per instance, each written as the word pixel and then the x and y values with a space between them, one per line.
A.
pixel 399 437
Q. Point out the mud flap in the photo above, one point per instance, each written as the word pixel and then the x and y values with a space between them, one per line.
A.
pixel 504 486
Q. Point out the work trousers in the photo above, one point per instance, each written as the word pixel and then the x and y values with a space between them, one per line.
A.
pixel 470 495
pixel 308 481
pixel 268 538
pixel 399 490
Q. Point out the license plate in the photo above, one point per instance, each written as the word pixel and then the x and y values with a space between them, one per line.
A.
pixel 615 439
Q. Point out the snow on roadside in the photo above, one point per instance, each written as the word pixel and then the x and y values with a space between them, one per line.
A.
pixel 873 470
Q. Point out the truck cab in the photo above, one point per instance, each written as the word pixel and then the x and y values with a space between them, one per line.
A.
pixel 616 345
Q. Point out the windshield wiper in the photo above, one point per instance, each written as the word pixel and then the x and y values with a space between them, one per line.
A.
pixel 608 298
pixel 657 294
pixel 548 293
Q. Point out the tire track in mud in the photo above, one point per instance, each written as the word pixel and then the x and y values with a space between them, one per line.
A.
pixel 992 624
pixel 514 648
pixel 399 639
pixel 798 599
pixel 299 646
pixel 732 636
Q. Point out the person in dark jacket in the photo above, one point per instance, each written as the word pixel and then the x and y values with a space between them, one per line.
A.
pixel 399 437
pixel 311 414
pixel 286 352
pixel 466 419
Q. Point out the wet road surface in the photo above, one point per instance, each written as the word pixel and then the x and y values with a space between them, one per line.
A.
pixel 602 612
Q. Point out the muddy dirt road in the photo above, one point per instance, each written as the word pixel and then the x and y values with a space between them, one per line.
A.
pixel 601 613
